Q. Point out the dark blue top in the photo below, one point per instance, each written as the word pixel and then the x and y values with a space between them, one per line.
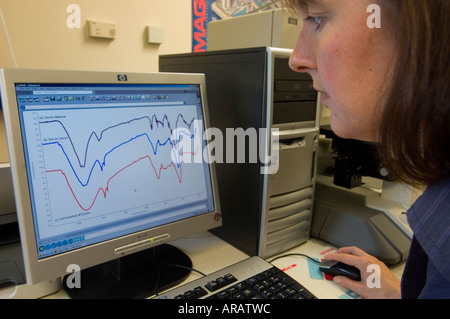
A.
pixel 427 270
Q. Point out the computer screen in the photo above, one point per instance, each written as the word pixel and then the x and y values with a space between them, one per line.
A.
pixel 105 164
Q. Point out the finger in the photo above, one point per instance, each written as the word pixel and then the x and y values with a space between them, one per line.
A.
pixel 353 250
pixel 346 259
pixel 347 283
pixel 349 259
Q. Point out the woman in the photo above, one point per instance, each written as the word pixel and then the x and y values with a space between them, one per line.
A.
pixel 383 72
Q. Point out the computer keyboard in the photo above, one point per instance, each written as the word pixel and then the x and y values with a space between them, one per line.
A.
pixel 253 278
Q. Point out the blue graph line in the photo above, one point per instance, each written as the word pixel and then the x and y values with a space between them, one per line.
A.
pixel 102 165
pixel 152 121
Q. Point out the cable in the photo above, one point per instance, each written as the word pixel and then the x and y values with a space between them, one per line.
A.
pixel 184 267
pixel 295 254
pixel 157 289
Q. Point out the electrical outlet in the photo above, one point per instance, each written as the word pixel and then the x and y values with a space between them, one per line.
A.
pixel 106 30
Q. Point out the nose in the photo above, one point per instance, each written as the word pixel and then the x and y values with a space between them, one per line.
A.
pixel 302 58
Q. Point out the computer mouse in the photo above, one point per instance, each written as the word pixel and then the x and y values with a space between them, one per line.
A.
pixel 336 268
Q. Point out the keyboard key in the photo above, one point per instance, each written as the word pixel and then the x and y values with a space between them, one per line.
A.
pixel 200 292
pixel 190 294
pixel 274 289
pixel 212 285
pixel 252 281
pixel 259 287
pixel 282 285
pixel 302 291
pixel 232 290
pixel 262 276
pixel 248 293
pixel 223 294
pixel 222 282
pixel 274 279
pixel 291 292
pixel 266 294
pixel 230 278
pixel 238 296
pixel 240 286
pixel 282 295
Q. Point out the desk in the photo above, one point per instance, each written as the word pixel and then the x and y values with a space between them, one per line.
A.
pixel 210 253
pixel 316 282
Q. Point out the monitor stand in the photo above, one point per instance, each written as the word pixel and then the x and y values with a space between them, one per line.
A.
pixel 139 275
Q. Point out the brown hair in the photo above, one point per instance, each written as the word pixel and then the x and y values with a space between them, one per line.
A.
pixel 415 126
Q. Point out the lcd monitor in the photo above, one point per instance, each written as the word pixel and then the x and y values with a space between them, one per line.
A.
pixel 107 169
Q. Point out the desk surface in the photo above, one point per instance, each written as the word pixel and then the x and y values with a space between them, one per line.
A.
pixel 209 254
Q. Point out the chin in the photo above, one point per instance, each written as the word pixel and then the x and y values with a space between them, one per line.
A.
pixel 340 131
pixel 344 132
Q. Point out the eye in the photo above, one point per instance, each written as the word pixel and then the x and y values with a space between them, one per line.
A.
pixel 316 20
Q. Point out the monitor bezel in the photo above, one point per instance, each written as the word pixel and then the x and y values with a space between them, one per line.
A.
pixel 38 270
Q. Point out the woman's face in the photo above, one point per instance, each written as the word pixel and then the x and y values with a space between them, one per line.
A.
pixel 349 62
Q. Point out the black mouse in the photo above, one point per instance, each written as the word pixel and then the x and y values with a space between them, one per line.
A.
pixel 335 268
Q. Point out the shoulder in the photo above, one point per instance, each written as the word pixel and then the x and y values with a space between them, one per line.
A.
pixel 434 202
pixel 429 219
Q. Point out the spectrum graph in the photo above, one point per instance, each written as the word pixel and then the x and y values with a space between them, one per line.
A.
pixel 91 165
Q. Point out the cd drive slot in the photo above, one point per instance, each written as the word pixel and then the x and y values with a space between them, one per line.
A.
pixel 294 86
pixel 140 243
pixel 289 136
pixel 294 96
pixel 292 143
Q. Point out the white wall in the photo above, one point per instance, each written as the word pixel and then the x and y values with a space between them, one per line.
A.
pixel 40 37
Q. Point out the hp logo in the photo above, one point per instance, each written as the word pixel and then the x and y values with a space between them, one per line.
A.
pixel 122 77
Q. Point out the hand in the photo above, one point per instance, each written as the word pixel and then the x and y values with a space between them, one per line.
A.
pixel 389 284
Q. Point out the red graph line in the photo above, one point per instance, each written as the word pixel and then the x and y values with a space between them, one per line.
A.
pixel 105 190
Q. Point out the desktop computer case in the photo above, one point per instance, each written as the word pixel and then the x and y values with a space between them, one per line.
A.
pixel 263 214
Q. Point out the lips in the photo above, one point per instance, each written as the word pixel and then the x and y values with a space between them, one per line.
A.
pixel 324 96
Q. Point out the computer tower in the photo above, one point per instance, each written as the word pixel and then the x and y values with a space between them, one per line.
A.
pixel 254 88
pixel 274 28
